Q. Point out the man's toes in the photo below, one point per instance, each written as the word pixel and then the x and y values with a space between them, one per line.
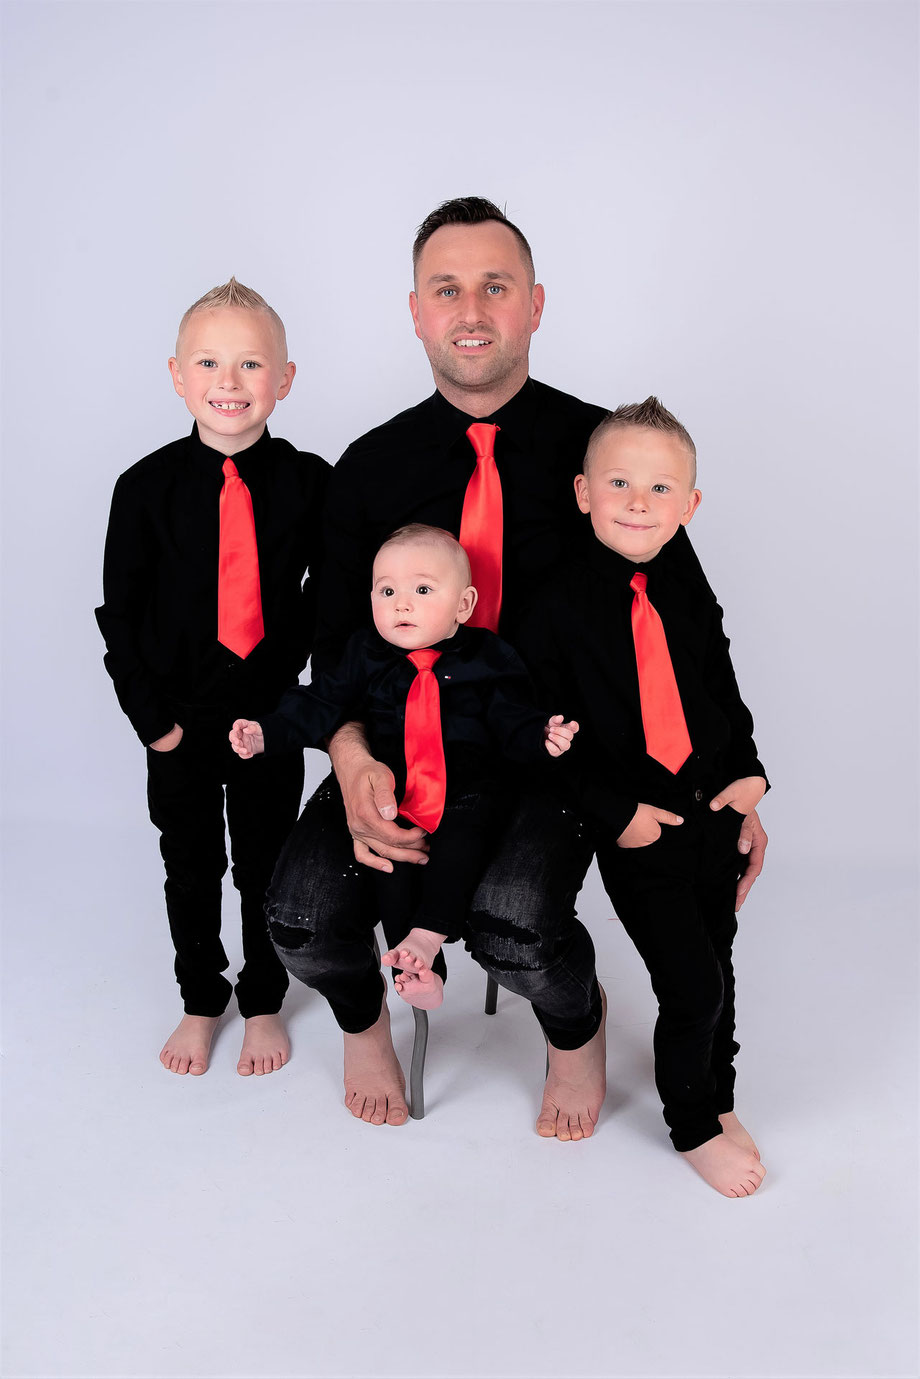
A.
pixel 547 1121
pixel 197 1066
pixel 355 1103
pixel 245 1067
pixel 397 1114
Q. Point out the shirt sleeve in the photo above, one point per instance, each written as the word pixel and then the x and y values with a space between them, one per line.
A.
pixel 514 718
pixel 741 758
pixel 128 576
pixel 344 584
pixel 308 714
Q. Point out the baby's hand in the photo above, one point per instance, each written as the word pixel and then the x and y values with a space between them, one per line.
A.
pixel 743 795
pixel 645 826
pixel 559 735
pixel 246 738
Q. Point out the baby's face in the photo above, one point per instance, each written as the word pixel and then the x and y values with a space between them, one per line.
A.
pixel 420 595
pixel 638 490
pixel 230 371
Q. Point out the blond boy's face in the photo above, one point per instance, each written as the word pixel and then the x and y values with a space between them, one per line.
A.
pixel 420 595
pixel 231 372
pixel 638 490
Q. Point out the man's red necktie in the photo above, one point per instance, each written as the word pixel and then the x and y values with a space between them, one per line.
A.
pixel 666 736
pixel 481 527
pixel 426 773
pixel 239 600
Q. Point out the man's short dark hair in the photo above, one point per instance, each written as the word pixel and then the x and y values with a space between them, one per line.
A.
pixel 467 210
pixel 650 414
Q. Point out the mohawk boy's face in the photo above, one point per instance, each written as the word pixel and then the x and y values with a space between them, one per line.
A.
pixel 231 373
pixel 638 490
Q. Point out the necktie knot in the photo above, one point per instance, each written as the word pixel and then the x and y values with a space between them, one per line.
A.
pixel 482 438
pixel 230 469
pixel 638 583
pixel 424 659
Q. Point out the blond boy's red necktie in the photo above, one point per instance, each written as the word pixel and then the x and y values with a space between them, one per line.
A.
pixel 481 527
pixel 426 773
pixel 239 600
pixel 666 736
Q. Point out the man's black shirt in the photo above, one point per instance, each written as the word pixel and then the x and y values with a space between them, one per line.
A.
pixel 577 641
pixel 159 614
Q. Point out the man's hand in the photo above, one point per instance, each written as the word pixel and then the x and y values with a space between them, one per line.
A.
pixel 558 735
pixel 246 738
pixel 645 826
pixel 744 795
pixel 370 804
pixel 169 742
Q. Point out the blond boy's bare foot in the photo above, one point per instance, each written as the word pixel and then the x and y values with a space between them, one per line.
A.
pixel 266 1047
pixel 188 1048
pixel 575 1087
pixel 416 983
pixel 727 1166
pixel 732 1126
pixel 375 1089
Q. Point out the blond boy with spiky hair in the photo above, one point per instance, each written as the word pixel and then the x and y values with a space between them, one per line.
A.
pixel 205 608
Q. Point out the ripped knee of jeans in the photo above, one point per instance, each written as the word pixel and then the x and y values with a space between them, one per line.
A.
pixel 289 929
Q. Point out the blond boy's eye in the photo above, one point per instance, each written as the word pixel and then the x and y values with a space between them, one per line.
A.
pixel 251 364
pixel 660 488
pixel 207 363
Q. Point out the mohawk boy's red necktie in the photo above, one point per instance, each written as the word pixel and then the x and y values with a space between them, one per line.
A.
pixel 481 527
pixel 239 600
pixel 426 773
pixel 666 736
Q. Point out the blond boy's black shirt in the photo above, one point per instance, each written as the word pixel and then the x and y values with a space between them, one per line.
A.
pixel 416 467
pixel 578 644
pixel 159 610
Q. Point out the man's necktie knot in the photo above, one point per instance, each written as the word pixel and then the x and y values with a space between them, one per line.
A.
pixel 482 438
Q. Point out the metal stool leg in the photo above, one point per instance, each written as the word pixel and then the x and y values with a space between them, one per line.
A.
pixel 491 995
pixel 417 1068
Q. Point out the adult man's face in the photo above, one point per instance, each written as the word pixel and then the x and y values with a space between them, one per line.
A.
pixel 475 309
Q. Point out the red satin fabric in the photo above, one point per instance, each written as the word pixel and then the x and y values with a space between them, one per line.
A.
pixel 481 527
pixel 666 736
pixel 239 599
pixel 426 773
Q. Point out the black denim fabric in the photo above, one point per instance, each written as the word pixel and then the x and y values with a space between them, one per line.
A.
pixel 186 790
pixel 676 900
pixel 521 927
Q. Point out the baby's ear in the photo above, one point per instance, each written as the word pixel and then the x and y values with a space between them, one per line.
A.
pixel 468 600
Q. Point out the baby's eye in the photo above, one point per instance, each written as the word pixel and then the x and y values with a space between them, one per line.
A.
pixel 386 592
pixel 618 483
pixel 423 589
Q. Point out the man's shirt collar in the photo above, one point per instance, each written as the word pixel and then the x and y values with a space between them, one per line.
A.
pixel 515 418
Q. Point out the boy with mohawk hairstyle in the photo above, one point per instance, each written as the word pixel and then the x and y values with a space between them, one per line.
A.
pixel 629 640
pixel 206 607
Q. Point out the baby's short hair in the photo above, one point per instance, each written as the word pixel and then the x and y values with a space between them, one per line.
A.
pixel 650 414
pixel 234 293
pixel 419 534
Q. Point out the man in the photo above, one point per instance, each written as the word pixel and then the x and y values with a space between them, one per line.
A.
pixel 475 306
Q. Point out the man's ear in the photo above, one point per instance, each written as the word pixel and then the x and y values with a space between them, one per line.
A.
pixel 537 303
pixel 581 493
pixel 413 307
pixel 693 503
pixel 468 600
pixel 176 375
pixel 287 378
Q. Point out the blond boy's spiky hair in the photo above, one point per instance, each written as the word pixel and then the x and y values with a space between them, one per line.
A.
pixel 236 294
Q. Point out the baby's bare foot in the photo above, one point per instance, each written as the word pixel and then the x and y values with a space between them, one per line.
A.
pixel 418 985
pixel 266 1047
pixel 375 1089
pixel 189 1046
pixel 575 1087
pixel 727 1166
pixel 732 1126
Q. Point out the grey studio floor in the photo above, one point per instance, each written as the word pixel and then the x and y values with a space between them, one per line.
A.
pixel 165 1226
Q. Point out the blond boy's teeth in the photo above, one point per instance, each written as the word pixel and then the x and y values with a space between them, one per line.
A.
pixel 230 406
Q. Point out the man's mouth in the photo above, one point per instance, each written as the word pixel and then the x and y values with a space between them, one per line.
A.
pixel 229 406
pixel 472 342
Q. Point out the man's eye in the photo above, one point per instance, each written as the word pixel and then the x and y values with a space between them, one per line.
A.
pixel 495 289
pixel 423 589
pixel 448 292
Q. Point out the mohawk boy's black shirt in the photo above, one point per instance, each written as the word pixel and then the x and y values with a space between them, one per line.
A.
pixel 159 610
pixel 577 641
pixel 416 467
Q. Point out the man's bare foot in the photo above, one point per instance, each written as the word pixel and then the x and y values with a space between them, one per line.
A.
pixel 727 1166
pixel 732 1126
pixel 266 1047
pixel 189 1046
pixel 575 1087
pixel 416 983
pixel 375 1089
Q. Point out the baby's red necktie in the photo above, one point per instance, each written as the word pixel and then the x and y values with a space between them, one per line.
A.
pixel 666 736
pixel 426 773
pixel 239 599
pixel 481 527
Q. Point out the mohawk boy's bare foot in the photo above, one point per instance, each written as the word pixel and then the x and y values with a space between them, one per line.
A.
pixel 416 983
pixel 576 1085
pixel 375 1089
pixel 732 1126
pixel 727 1166
pixel 266 1047
pixel 188 1048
